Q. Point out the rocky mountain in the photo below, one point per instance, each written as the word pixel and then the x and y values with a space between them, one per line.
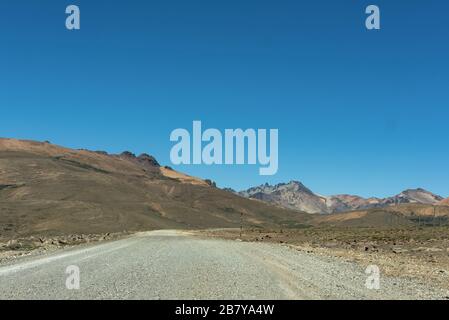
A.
pixel 413 196
pixel 345 202
pixel 50 190
pixel 444 202
pixel 294 195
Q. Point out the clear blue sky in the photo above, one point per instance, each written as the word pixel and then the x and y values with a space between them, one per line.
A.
pixel 358 112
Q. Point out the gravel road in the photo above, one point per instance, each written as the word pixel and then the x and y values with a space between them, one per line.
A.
pixel 176 265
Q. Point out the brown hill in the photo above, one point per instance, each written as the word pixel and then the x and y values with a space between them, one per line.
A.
pixel 50 190
pixel 391 216
pixel 444 202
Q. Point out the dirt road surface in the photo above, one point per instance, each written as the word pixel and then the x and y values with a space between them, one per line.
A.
pixel 178 265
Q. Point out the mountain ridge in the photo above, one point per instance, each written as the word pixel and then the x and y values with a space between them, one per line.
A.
pixel 295 195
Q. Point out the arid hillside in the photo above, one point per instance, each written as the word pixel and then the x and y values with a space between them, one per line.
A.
pixel 50 190
pixel 402 215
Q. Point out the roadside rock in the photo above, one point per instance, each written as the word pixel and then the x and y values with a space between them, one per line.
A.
pixel 399 250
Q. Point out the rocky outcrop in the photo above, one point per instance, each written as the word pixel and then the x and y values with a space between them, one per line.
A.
pixel 146 159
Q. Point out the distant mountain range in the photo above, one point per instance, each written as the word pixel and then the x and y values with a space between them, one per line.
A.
pixel 49 190
pixel 294 195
